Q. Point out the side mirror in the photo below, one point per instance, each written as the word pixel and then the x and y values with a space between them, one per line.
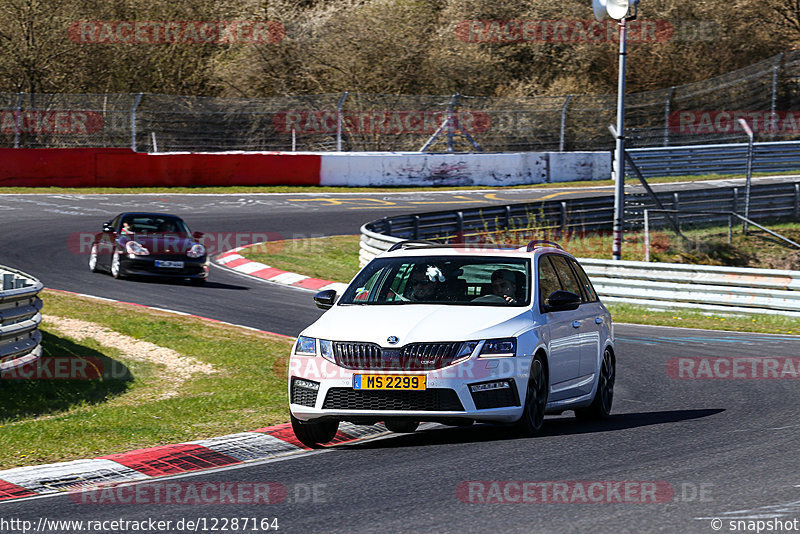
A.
pixel 562 301
pixel 325 299
pixel 107 227
pixel 198 235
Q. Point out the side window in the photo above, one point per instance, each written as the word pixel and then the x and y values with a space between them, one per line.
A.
pixel 565 274
pixel 591 294
pixel 548 280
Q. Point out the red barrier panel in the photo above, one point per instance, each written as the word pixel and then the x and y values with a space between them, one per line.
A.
pixel 117 167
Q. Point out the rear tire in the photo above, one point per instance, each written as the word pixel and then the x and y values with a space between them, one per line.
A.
pixel 313 434
pixel 401 427
pixel 535 399
pixel 600 408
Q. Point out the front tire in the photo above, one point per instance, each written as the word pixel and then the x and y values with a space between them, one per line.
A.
pixel 600 408
pixel 535 399
pixel 93 259
pixel 116 267
pixel 313 433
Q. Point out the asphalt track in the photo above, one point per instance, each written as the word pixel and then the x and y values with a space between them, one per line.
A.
pixel 716 448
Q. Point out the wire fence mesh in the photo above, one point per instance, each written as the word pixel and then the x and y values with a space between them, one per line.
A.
pixel 765 94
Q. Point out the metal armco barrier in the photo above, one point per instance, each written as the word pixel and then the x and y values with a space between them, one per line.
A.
pixel 719 159
pixel 655 285
pixel 20 317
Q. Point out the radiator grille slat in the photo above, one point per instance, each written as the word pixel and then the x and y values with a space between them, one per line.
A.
pixel 413 357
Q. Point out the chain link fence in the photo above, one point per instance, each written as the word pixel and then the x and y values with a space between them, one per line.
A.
pixel 703 112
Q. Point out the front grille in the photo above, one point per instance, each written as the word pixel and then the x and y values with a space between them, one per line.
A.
pixel 496 398
pixel 303 396
pixel 413 357
pixel 430 400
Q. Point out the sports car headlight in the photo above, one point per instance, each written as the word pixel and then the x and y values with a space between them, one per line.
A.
pixel 132 247
pixel 196 251
pixel 499 348
pixel 306 345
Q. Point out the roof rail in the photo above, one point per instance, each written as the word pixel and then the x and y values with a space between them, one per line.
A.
pixel 536 243
pixel 414 243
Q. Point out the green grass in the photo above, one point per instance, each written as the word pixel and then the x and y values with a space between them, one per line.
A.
pixel 56 420
pixel 341 264
pixel 319 189
pixel 329 258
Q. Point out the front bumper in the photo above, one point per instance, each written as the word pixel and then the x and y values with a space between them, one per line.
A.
pixel 448 395
pixel 146 266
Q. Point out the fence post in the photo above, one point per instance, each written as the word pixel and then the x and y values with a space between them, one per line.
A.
pixel 666 115
pixel 18 120
pixel 133 120
pixel 775 89
pixel 563 219
pixel 451 125
pixel 563 123
pixel 646 235
pixel 339 121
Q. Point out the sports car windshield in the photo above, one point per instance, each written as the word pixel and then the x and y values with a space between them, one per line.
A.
pixel 454 280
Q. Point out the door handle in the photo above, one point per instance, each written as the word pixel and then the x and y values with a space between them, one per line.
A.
pixel 576 324
pixel 598 320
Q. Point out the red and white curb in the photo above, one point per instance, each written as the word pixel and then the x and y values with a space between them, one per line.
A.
pixel 234 261
pixel 84 475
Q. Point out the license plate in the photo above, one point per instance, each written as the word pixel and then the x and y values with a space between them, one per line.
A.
pixel 407 382
pixel 169 264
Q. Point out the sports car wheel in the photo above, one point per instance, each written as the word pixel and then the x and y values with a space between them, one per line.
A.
pixel 313 433
pixel 401 427
pixel 93 259
pixel 600 407
pixel 535 399
pixel 116 268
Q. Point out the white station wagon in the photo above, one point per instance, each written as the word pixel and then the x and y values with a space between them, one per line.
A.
pixel 429 332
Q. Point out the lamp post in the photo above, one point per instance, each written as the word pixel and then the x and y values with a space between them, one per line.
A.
pixel 618 10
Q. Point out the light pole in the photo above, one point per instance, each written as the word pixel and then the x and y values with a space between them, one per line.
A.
pixel 618 10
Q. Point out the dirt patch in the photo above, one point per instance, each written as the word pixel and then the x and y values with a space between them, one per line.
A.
pixel 181 368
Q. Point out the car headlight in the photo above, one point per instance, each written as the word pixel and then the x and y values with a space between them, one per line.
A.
pixel 499 348
pixel 326 350
pixel 196 251
pixel 465 351
pixel 306 345
pixel 132 247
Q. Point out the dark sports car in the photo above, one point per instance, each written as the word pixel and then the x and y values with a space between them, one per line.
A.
pixel 149 244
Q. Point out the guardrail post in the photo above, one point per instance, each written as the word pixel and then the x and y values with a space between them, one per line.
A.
pixel 735 200
pixel 563 219
pixel 416 226
pixel 730 229
pixel 8 281
pixel 508 216
pixel 459 222
pixel 387 224
pixel 796 200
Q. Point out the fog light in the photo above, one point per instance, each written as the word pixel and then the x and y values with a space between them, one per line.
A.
pixel 307 384
pixel 489 386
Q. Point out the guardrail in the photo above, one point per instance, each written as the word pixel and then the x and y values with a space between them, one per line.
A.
pixel 720 159
pixel 20 318
pixel 655 285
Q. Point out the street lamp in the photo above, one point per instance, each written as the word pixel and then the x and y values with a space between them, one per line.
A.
pixel 618 10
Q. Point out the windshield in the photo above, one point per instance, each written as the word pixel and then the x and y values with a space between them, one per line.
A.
pixel 455 280
pixel 153 224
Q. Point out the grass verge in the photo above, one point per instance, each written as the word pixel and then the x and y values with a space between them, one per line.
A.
pixel 55 420
pixel 319 189
pixel 340 264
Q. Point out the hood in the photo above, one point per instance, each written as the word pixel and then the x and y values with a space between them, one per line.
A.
pixel 161 244
pixel 418 323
